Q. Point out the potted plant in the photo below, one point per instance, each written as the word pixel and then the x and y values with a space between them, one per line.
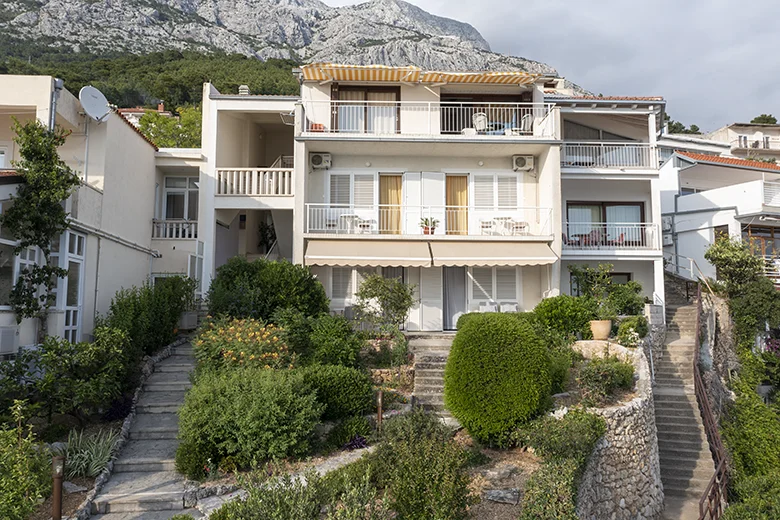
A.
pixel 595 283
pixel 428 225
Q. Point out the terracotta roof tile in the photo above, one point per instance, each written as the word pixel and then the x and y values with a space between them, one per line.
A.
pixel 729 161
pixel 137 131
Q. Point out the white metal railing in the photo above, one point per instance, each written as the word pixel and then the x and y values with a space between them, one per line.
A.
pixel 429 118
pixel 284 161
pixel 348 219
pixel 609 155
pixel 756 143
pixel 274 182
pixel 175 229
pixel 771 193
pixel 608 235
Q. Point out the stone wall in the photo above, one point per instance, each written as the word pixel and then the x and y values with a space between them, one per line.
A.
pixel 717 355
pixel 622 479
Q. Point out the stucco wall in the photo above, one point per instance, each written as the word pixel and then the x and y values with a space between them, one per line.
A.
pixel 641 271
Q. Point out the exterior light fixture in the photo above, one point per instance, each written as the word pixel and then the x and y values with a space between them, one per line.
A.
pixel 57 473
pixel 481 163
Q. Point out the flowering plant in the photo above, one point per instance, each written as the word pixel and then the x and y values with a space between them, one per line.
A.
pixel 773 345
pixel 242 342
pixel 629 338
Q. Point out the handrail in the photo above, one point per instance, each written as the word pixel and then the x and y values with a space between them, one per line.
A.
pixel 693 268
pixel 711 503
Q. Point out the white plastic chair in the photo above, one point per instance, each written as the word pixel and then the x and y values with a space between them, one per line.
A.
pixel 480 121
pixel 488 307
pixel 509 307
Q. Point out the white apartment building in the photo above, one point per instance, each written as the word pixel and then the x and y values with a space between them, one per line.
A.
pixel 479 188
pixel 109 245
pixel 754 141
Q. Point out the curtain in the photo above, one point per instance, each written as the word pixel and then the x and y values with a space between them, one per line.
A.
pixel 454 296
pixel 352 115
pixel 619 223
pixel 381 113
pixel 390 204
pixel 457 199
pixel 583 220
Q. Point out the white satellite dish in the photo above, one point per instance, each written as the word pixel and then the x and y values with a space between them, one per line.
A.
pixel 95 103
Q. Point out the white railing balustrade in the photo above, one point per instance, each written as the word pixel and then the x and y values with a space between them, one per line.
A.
pixel 271 182
pixel 772 193
pixel 438 221
pixel 760 143
pixel 429 118
pixel 609 155
pixel 600 235
pixel 175 229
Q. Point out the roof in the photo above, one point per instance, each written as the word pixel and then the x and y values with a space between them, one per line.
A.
pixel 729 161
pixel 9 176
pixel 137 131
pixel 608 98
pixel 410 74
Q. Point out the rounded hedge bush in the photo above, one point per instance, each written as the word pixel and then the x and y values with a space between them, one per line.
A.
pixel 344 391
pixel 497 375
pixel 565 314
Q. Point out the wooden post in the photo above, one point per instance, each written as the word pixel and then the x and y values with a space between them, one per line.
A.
pixel 57 470
pixel 379 411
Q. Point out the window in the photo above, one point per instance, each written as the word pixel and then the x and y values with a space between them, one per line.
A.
pixel 743 141
pixel 340 283
pixel 11 265
pixel 352 189
pixel 594 222
pixel 495 191
pixel 766 142
pixel 3 162
pixel 371 110
pixel 181 198
pixel 576 132
pixel 498 284
pixel 617 279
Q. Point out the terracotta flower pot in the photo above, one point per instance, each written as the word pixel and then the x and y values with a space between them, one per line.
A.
pixel 601 329
pixel 427 230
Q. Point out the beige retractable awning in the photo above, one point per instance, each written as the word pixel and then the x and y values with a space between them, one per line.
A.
pixel 368 253
pixel 491 253
pixel 344 72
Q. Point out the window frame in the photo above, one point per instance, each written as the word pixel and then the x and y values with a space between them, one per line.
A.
pixel 335 95
pixel 352 174
pixel 474 298
pixel 495 183
pixel 604 206
pixel 186 190
pixel 18 263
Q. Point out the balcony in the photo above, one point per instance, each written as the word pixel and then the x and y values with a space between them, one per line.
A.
pixel 255 182
pixel 430 119
pixel 174 229
pixel 764 143
pixel 600 236
pixel 603 155
pixel 429 221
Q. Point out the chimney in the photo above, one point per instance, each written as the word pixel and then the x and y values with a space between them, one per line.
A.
pixel 243 90
pixel 161 107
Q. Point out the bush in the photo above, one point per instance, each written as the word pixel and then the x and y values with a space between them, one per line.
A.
pixel 560 363
pixel 295 328
pixel 572 437
pixel 551 493
pixel 88 455
pixel 17 381
pixel 599 378
pixel 626 298
pixel 415 425
pixel 347 430
pixel 735 263
pixel 344 391
pixel 638 323
pixel 759 498
pixel 258 289
pixel 229 342
pixel 334 341
pixel 565 314
pixel 497 375
pixel 360 501
pixel 384 302
pixel 252 415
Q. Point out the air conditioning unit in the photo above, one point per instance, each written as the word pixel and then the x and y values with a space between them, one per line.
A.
pixel 666 223
pixel 9 340
pixel 522 163
pixel 320 160
pixel 668 240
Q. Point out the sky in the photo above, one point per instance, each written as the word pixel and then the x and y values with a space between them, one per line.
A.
pixel 714 61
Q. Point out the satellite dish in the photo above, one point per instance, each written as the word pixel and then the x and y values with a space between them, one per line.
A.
pixel 95 103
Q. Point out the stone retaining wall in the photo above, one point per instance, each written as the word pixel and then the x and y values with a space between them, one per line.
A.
pixel 622 479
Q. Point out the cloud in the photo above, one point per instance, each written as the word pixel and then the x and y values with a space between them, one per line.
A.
pixel 713 60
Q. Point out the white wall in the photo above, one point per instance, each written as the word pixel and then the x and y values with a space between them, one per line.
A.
pixel 642 271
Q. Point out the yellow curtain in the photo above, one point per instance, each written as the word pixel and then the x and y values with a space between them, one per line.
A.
pixel 457 205
pixel 390 204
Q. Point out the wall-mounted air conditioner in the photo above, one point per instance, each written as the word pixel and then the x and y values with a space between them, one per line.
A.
pixel 522 163
pixel 9 340
pixel 666 223
pixel 320 160
pixel 668 240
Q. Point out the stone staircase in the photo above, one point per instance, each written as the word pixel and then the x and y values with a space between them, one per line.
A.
pixel 144 484
pixel 430 357
pixel 686 462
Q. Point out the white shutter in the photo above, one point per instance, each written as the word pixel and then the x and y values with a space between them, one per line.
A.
pixel 340 283
pixel 507 191
pixel 364 190
pixel 483 191
pixel 339 189
pixel 482 283
pixel 506 283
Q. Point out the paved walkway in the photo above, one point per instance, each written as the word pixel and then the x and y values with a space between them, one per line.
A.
pixel 144 484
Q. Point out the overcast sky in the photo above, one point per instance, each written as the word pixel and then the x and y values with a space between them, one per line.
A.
pixel 715 61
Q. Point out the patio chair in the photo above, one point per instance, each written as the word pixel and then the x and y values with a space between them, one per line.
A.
pixel 480 121
pixel 509 307
pixel 487 227
pixel 488 307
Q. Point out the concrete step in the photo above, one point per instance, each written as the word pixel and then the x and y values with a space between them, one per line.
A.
pixel 667 422
pixel 429 372
pixel 141 492
pixel 691 446
pixel 431 388
pixel 431 356
pixel 434 399
pixel 147 456
pixel 160 402
pixel 681 454
pixel 149 515
pixel 169 378
pixel 686 487
pixel 674 339
pixel 175 367
pixel 690 434
pixel 684 414
pixel 168 386
pixel 680 508
pixel 700 465
pixel 429 366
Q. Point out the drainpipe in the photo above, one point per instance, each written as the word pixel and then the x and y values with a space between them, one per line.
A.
pixel 97 281
pixel 86 148
pixel 57 85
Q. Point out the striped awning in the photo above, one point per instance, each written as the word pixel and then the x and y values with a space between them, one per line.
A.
pixel 340 72
pixel 486 78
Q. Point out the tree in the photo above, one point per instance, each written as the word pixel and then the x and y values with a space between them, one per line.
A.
pixel 173 132
pixel 384 302
pixel 675 127
pixel 37 216
pixel 765 119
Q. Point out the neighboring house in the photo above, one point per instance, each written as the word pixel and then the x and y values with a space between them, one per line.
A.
pixel 670 143
pixel 134 115
pixel 109 245
pixel 750 140
pixel 479 188
pixel 704 195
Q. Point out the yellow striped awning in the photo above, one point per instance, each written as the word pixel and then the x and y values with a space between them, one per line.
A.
pixel 340 72
pixel 488 78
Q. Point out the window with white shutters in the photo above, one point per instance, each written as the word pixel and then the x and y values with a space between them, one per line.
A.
pixel 363 192
pixel 491 191
pixel 506 283
pixel 507 191
pixel 340 189
pixel 340 283
pixel 482 283
pixel 357 190
pixel 484 191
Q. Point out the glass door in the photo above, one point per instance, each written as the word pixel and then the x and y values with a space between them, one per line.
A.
pixel 457 201
pixel 455 304
pixel 390 191
pixel 74 286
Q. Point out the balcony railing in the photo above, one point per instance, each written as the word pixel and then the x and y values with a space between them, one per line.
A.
pixel 263 182
pixel 439 221
pixel 761 143
pixel 610 236
pixel 175 229
pixel 430 118
pixel 609 155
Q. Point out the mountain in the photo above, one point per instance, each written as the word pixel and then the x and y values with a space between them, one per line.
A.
pixel 390 32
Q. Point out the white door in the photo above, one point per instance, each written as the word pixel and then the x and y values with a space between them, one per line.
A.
pixel 74 285
pixel 431 300
pixel 412 197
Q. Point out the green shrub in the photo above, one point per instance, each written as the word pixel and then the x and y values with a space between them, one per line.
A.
pixel 227 342
pixel 347 430
pixel 344 391
pixel 384 302
pixel 638 323
pixel 252 415
pixel 551 492
pixel 735 263
pixel 758 498
pixel 258 289
pixel 599 378
pixel 360 501
pixel 497 375
pixel 334 341
pixel 416 424
pixel 626 298
pixel 295 328
pixel 560 364
pixel 17 381
pixel 565 314
pixel 88 455
pixel 572 437
pixel 627 333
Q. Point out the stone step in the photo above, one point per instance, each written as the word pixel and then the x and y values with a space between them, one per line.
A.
pixel 693 435
pixel 167 386
pixel 436 408
pixel 169 377
pixel 434 399
pixel 428 388
pixel 693 445
pixel 703 465
pixel 147 456
pixel 677 422
pixel 141 492
pixel 680 372
pixel 681 454
pixel 147 465
pixel 175 367
pixel 674 384
pixel 688 487
pixel 428 380
pixel 429 372
pixel 676 413
pixel 429 366
pixel 149 515
pixel 431 356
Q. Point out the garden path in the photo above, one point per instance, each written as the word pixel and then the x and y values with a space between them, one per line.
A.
pixel 430 357
pixel 144 484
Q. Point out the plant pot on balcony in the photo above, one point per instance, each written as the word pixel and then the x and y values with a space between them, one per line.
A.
pixel 601 329
pixel 428 230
